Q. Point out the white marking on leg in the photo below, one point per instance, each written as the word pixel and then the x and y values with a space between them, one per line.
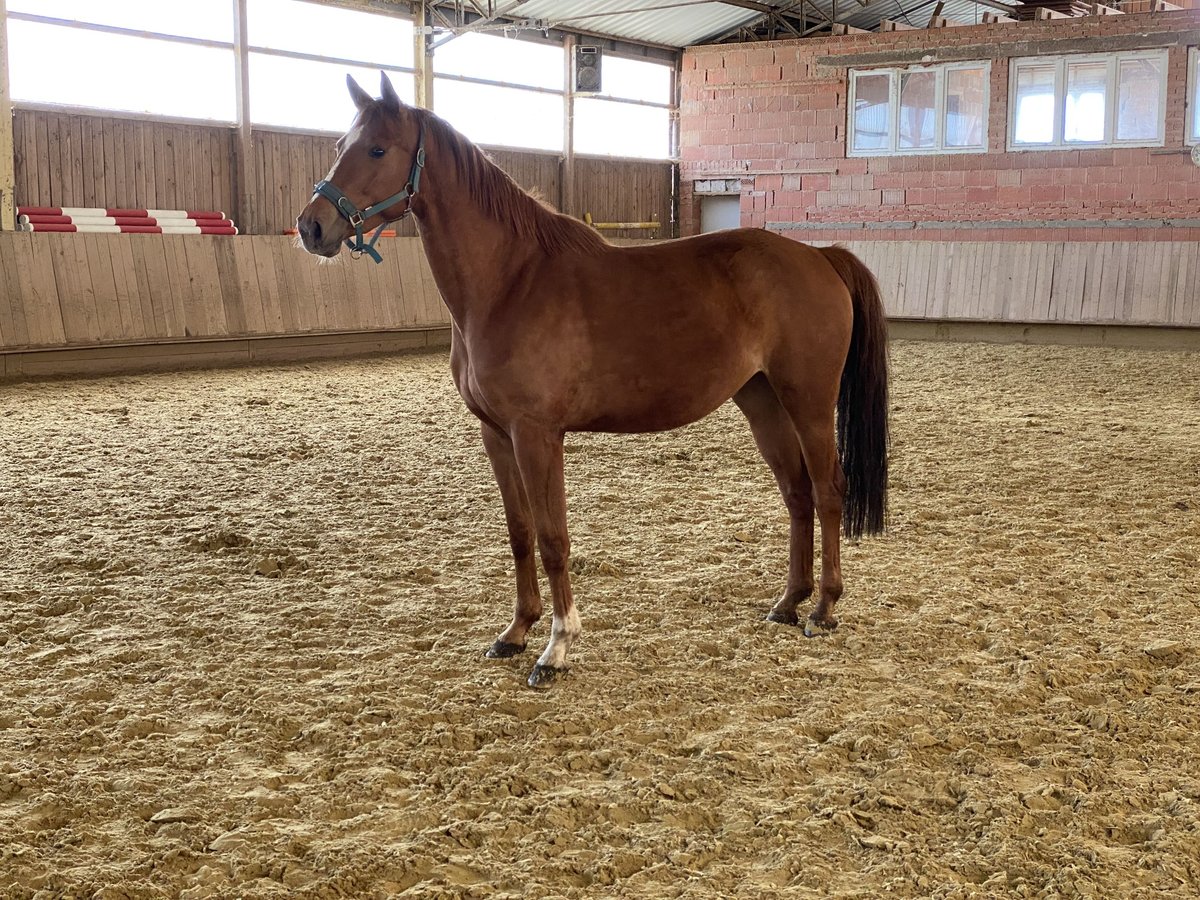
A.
pixel 562 635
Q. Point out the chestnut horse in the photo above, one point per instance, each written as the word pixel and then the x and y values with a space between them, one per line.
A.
pixel 556 330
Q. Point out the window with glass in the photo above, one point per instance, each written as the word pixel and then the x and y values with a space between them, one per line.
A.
pixel 501 90
pixel 500 115
pixel 631 115
pixel 926 109
pixel 301 52
pixel 1193 95
pixel 185 69
pixel 158 58
pixel 1099 100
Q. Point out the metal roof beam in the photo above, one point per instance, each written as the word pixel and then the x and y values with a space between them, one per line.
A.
pixel 749 4
pixel 781 14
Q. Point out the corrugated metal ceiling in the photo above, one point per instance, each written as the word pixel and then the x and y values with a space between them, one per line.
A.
pixel 682 23
pixel 673 23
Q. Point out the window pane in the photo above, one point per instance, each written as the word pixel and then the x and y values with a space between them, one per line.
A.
pixel 871 107
pixel 509 117
pixel 1139 90
pixel 966 117
pixel 635 79
pixel 208 19
pixel 612 128
pixel 501 59
pixel 329 31
pixel 110 71
pixel 300 93
pixel 918 125
pixel 1033 120
pixel 1087 87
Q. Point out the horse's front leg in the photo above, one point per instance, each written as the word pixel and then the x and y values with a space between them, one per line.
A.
pixel 521 537
pixel 540 458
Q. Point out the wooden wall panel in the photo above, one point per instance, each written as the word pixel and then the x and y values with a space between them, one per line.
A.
pixel 97 289
pixel 1092 282
pixel 538 173
pixel 75 159
pixel 79 159
pixel 624 190
pixel 284 168
pixel 287 164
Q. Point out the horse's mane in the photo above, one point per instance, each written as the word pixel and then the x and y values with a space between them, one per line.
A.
pixel 503 200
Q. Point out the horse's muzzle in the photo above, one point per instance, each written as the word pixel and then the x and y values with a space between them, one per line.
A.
pixel 317 238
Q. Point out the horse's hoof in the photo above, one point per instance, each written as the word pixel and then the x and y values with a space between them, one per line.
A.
pixel 504 650
pixel 814 628
pixel 544 676
pixel 783 618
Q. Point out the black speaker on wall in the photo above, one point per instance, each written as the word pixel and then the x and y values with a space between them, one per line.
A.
pixel 587 70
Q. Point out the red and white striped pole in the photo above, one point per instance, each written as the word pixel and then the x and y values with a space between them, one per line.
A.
pixel 123 221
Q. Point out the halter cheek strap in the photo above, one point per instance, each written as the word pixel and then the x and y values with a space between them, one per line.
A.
pixel 356 217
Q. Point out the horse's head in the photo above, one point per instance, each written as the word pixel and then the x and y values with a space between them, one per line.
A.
pixel 374 177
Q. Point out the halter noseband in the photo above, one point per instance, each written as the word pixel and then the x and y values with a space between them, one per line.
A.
pixel 347 210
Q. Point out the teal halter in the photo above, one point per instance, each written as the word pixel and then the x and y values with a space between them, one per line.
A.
pixel 346 208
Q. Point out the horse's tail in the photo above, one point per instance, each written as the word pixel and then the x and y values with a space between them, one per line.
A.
pixel 862 406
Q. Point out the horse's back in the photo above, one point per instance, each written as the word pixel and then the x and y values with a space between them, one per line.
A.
pixel 750 273
pixel 738 249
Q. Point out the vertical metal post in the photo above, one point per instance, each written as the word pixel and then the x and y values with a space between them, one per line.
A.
pixel 566 182
pixel 243 149
pixel 8 150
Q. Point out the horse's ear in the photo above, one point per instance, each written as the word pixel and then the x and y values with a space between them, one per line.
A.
pixel 360 97
pixel 390 98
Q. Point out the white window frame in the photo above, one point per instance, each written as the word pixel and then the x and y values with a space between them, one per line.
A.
pixel 894 74
pixel 1190 138
pixel 1112 96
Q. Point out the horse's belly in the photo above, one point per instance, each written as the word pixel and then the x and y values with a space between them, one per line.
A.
pixel 641 406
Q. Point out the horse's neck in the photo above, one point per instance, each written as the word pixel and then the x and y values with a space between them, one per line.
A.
pixel 474 258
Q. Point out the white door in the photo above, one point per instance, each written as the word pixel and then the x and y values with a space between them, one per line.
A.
pixel 720 211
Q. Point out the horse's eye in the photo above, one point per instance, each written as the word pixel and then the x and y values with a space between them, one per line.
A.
pixel 376 152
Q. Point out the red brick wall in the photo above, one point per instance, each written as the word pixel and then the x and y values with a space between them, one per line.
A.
pixel 773 116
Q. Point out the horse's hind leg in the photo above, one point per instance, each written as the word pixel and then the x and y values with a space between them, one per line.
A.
pixel 521 537
pixel 814 423
pixel 779 446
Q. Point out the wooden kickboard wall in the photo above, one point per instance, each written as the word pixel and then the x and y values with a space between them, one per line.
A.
pixel 1092 282
pixel 80 290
